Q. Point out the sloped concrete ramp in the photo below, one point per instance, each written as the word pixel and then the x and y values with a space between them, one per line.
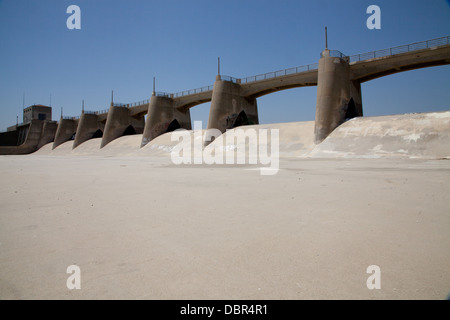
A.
pixel 424 135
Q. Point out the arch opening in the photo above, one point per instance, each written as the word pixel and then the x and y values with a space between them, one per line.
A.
pixel 97 134
pixel 129 131
pixel 351 110
pixel 174 125
pixel 241 120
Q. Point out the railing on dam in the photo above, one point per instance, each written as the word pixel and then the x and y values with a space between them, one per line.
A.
pixel 162 94
pixel 228 78
pixel 401 49
pixel 139 103
pixel 193 91
pixel 119 104
pixel 280 73
pixel 295 70
pixel 334 53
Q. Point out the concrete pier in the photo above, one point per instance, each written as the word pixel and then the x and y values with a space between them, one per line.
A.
pixel 163 117
pixel 119 123
pixel 89 127
pixel 335 102
pixel 229 108
pixel 48 133
pixel 67 128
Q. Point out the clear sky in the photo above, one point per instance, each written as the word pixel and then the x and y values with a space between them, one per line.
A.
pixel 123 44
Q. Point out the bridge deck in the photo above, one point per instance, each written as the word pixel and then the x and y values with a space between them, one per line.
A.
pixel 364 67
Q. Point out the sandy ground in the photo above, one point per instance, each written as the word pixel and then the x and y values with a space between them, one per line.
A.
pixel 140 227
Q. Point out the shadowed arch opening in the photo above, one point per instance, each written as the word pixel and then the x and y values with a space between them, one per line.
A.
pixel 97 134
pixel 351 110
pixel 129 131
pixel 72 137
pixel 174 125
pixel 241 120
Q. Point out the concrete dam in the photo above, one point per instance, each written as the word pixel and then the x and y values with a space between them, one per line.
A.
pixel 338 78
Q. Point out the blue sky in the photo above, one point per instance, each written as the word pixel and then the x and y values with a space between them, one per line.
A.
pixel 123 44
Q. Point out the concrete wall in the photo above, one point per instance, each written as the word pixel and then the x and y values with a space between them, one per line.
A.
pixel 9 138
pixel 87 127
pixel 119 119
pixel 161 114
pixel 227 104
pixel 23 132
pixel 32 139
pixel 33 113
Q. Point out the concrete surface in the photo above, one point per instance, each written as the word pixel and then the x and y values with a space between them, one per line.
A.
pixel 140 227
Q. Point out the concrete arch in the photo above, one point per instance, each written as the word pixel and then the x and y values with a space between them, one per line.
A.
pixel 371 69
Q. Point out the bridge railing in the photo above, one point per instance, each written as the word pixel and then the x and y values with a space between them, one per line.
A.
pixel 334 53
pixel 280 73
pixel 401 49
pixel 290 71
pixel 119 104
pixel 192 91
pixel 70 118
pixel 139 103
pixel 163 94
pixel 228 78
